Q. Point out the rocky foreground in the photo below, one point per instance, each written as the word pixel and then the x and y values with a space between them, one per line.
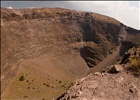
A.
pixel 118 85
pixel 115 82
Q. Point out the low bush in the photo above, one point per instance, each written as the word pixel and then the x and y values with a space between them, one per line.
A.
pixel 60 82
pixel 135 65
pixel 22 78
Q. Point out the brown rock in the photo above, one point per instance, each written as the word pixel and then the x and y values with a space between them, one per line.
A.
pixel 116 69
pixel 133 89
pixel 97 73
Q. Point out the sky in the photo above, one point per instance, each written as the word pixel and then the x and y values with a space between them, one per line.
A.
pixel 127 12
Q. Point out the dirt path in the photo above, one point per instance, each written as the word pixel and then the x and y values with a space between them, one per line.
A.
pixel 110 59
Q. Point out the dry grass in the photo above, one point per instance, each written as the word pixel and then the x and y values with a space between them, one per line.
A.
pixel 37 87
pixel 135 65
pixel 44 77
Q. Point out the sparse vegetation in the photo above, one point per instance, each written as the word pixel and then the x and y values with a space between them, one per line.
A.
pixel 63 86
pixel 135 65
pixel 60 82
pixel 72 84
pixel 22 78
pixel 28 88
pixel 44 83
pixel 25 96
pixel 119 60
pixel 47 85
pixel 33 79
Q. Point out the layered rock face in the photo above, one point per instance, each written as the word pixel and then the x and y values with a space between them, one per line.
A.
pixel 30 28
pixel 67 41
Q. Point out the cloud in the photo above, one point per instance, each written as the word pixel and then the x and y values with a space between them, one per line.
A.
pixel 9 7
pixel 123 11
pixel 127 12
pixel 30 7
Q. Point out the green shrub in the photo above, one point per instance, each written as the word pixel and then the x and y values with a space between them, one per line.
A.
pixel 72 84
pixel 33 79
pixel 25 96
pixel 135 65
pixel 60 82
pixel 22 78
pixel 28 88
pixel 63 86
pixel 46 84
pixel 27 81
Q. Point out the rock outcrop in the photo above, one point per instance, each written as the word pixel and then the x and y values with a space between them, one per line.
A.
pixel 105 86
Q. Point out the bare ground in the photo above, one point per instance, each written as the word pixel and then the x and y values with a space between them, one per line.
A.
pixel 105 86
pixel 46 77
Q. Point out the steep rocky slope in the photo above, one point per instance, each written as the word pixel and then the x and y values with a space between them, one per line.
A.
pixel 105 86
pixel 115 82
pixel 57 43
